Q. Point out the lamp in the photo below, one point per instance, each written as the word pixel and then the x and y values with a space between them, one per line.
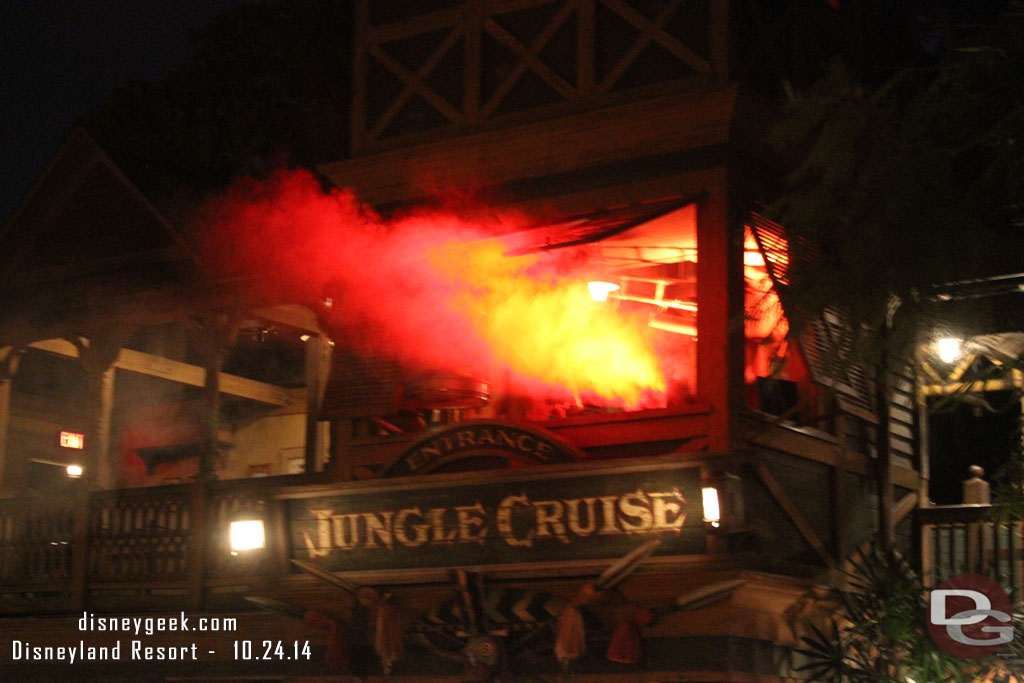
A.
pixel 74 471
pixel 599 290
pixel 948 349
pixel 722 497
pixel 246 534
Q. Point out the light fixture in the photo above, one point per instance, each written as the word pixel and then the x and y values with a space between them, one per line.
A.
pixel 599 290
pixel 74 471
pixel 304 337
pixel 247 534
pixel 723 502
pixel 949 349
pixel 712 513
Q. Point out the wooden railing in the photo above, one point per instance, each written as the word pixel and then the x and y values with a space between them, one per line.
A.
pixel 66 554
pixel 955 539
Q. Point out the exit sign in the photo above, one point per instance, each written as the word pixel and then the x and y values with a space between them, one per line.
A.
pixel 72 440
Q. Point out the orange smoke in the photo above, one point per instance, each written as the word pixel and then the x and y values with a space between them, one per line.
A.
pixel 433 290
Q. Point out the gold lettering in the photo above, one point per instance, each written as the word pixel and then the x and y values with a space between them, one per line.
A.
pixel 550 512
pixel 465 438
pixel 608 513
pixel 636 506
pixel 468 522
pixel 338 526
pixel 484 436
pixel 504 519
pixel 521 443
pixel 323 527
pixel 421 531
pixel 378 528
pixel 437 525
pixel 572 508
pixel 543 450
pixel 663 508
pixel 311 547
pixel 416 460
pixel 509 441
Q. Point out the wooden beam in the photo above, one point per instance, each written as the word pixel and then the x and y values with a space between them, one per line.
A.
pixel 293 315
pixel 184 373
pixel 675 122
pixel 793 512
pixel 904 507
pixel 1002 384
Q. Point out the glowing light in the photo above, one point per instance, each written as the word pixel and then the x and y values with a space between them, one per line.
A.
pixel 599 290
pixel 72 440
pixel 74 471
pixel 949 349
pixel 709 496
pixel 304 337
pixel 247 535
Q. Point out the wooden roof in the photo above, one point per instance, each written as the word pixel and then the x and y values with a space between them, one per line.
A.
pixel 83 217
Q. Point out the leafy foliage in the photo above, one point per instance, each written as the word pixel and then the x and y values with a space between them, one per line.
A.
pixel 906 185
pixel 879 634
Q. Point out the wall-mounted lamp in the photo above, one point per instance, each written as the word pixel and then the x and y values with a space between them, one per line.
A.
pixel 948 349
pixel 247 534
pixel 599 290
pixel 73 470
pixel 723 501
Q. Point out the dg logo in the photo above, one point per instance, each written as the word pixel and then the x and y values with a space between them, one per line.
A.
pixel 969 616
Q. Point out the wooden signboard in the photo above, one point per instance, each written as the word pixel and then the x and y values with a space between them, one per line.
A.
pixel 538 515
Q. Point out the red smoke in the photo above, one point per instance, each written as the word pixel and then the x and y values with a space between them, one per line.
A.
pixel 429 288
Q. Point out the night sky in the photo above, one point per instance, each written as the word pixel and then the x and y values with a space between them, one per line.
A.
pixel 60 58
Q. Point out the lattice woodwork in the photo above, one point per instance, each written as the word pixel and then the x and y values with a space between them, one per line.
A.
pixel 142 535
pixel 458 64
pixel 35 543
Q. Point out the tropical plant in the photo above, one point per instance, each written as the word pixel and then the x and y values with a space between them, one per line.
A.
pixel 879 632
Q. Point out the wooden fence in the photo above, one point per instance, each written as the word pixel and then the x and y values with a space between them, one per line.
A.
pixel 955 539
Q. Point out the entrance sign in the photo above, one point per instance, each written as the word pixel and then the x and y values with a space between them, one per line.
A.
pixel 519 516
pixel 471 444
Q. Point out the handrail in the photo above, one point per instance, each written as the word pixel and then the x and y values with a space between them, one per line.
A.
pixel 957 539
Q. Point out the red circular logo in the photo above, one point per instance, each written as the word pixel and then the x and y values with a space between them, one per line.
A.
pixel 969 616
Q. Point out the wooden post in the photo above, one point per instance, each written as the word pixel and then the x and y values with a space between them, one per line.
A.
pixel 9 358
pixel 883 457
pixel 318 368
pixel 360 47
pixel 198 540
pixel 718 29
pixel 97 355
pixel 840 516
pixel 720 313
pixel 216 333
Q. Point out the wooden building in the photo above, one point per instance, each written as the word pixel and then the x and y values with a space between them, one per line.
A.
pixel 192 402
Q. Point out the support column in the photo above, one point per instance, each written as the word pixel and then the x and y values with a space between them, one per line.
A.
pixel 720 312
pixel 10 357
pixel 97 355
pixel 217 334
pixel 318 369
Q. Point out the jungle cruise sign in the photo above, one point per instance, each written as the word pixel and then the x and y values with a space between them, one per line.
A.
pixel 537 514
